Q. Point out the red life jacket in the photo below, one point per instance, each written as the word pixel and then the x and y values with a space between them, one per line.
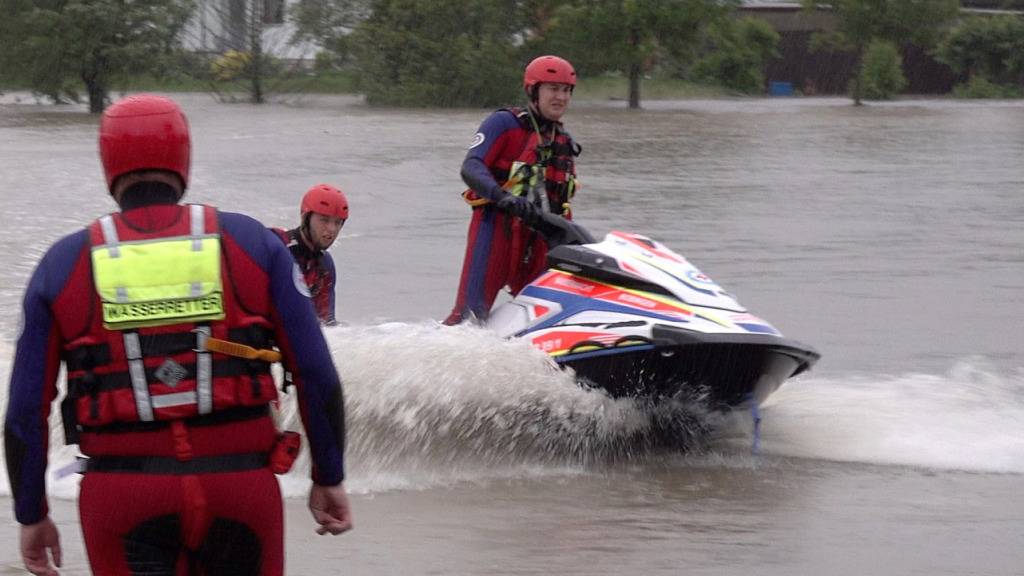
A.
pixel 524 145
pixel 319 280
pixel 161 373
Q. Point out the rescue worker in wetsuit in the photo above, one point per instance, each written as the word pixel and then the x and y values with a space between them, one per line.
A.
pixel 521 163
pixel 323 212
pixel 167 318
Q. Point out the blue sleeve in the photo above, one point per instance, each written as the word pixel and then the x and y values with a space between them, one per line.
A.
pixel 33 385
pixel 478 177
pixel 304 350
pixel 487 145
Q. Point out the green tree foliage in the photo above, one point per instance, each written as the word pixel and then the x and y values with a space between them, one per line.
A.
pixel 988 50
pixel 56 45
pixel 735 53
pixel 442 53
pixel 919 22
pixel 439 53
pixel 629 36
pixel 881 75
pixel 329 23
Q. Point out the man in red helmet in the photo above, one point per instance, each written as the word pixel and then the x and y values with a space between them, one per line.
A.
pixel 324 210
pixel 167 318
pixel 521 162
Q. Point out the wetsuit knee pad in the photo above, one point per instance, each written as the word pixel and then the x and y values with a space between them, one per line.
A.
pixel 230 548
pixel 152 548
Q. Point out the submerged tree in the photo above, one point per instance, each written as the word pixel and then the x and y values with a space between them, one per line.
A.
pixel 902 22
pixel 55 46
pixel 881 73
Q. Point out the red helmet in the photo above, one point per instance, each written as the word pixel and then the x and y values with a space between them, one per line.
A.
pixel 548 69
pixel 327 200
pixel 144 132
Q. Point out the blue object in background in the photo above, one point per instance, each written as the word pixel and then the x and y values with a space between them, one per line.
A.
pixel 780 88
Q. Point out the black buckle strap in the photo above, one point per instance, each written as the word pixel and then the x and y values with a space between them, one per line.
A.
pixel 168 465
pixel 170 344
pixel 119 380
pixel 239 414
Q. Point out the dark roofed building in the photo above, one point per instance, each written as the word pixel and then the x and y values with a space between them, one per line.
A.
pixel 828 72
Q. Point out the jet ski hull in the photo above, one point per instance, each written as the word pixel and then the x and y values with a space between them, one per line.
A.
pixel 720 374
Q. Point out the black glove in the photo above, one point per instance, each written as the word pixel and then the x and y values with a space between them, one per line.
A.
pixel 519 207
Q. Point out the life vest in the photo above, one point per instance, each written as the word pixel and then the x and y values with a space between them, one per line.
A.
pixel 543 170
pixel 156 300
pixel 318 277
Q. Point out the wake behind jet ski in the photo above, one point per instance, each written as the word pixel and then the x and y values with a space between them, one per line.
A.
pixel 634 318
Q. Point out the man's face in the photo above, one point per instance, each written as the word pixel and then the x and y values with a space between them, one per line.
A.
pixel 553 99
pixel 324 229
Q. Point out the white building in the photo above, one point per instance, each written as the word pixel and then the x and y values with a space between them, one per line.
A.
pixel 221 25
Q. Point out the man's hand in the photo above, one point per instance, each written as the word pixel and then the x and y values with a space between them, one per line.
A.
pixel 39 542
pixel 520 207
pixel 330 508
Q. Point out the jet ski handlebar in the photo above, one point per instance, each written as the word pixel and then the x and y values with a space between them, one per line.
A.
pixel 560 232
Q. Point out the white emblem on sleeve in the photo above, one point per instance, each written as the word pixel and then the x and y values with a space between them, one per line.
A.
pixel 300 281
pixel 477 140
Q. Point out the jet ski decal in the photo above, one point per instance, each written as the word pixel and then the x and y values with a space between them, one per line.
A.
pixel 560 342
pixel 573 302
pixel 647 245
pixel 564 282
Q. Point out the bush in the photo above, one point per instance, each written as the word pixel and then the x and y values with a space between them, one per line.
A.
pixel 326 61
pixel 989 47
pixel 229 66
pixel 981 87
pixel 881 72
pixel 237 66
pixel 736 53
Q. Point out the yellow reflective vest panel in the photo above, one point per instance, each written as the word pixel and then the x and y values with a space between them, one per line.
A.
pixel 159 281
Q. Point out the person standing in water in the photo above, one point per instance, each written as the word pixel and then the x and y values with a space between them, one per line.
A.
pixel 323 212
pixel 167 318
pixel 521 164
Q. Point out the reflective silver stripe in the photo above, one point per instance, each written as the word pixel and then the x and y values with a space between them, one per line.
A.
pixel 198 224
pixel 111 241
pixel 110 238
pixel 137 372
pixel 204 371
pixel 172 400
pixel 196 289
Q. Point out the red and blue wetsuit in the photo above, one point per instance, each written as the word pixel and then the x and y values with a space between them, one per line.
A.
pixel 501 250
pixel 318 269
pixel 167 487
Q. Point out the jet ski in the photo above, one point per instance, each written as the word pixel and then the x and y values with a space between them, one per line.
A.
pixel 634 318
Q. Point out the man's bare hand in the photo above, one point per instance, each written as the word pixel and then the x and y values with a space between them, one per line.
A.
pixel 330 508
pixel 39 543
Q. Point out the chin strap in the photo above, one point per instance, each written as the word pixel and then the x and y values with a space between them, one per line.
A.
pixel 306 238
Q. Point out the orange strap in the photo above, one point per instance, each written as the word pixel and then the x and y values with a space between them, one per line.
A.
pixel 474 202
pixel 241 350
